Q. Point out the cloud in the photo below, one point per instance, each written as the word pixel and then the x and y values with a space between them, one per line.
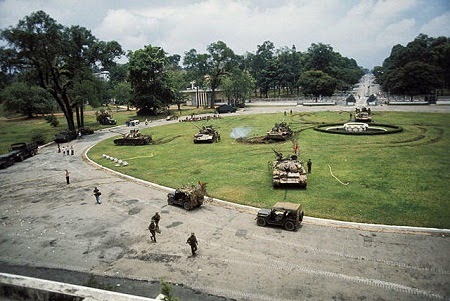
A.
pixel 438 26
pixel 364 30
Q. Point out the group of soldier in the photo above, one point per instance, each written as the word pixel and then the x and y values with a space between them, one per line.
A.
pixel 154 228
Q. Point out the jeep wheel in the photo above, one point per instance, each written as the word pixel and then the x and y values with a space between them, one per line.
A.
pixel 186 205
pixel 261 221
pixel 170 200
pixel 289 226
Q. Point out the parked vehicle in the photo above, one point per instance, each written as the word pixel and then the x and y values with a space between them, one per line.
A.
pixel 17 153
pixel 225 109
pixel 133 138
pixel 363 115
pixel 289 171
pixel 23 150
pixel 207 134
pixel 65 136
pixel 7 160
pixel 105 118
pixel 284 214
pixel 188 196
pixel 280 132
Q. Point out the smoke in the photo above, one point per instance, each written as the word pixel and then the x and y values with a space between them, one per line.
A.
pixel 240 132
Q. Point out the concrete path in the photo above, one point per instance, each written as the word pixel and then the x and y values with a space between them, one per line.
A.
pixel 47 223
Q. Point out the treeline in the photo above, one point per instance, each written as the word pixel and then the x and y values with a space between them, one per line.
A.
pixel 421 67
pixel 44 60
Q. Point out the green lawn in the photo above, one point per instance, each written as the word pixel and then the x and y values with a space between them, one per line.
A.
pixel 396 179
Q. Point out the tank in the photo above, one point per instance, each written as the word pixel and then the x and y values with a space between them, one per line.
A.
pixel 281 132
pixel 133 138
pixel 207 134
pixel 288 171
pixel 363 115
pixel 188 196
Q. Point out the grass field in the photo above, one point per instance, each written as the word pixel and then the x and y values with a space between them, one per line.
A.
pixel 399 179
pixel 20 129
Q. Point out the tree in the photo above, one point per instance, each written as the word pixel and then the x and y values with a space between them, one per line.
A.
pixel 237 86
pixel 262 67
pixel 317 83
pixel 208 69
pixel 52 56
pixel 149 80
pixel 178 82
pixel 27 100
pixel 320 57
pixel 123 94
pixel 420 67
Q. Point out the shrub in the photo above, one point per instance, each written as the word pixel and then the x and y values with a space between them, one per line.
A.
pixel 52 120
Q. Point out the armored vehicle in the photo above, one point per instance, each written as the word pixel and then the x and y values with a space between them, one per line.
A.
pixel 105 118
pixel 133 138
pixel 285 214
pixel 207 134
pixel 279 132
pixel 65 136
pixel 363 115
pixel 288 171
pixel 189 196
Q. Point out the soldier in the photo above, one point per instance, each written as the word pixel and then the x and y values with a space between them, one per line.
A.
pixel 156 218
pixel 67 176
pixel 192 241
pixel 97 195
pixel 152 229
pixel 309 165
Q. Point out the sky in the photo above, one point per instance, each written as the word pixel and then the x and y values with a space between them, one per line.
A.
pixel 365 30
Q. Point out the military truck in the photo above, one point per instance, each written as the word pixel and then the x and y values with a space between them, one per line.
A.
pixel 280 132
pixel 363 115
pixel 23 150
pixel 189 196
pixel 206 134
pixel 288 171
pixel 133 138
pixel 7 160
pixel 284 214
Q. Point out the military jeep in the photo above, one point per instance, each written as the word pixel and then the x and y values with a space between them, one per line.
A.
pixel 285 214
pixel 189 196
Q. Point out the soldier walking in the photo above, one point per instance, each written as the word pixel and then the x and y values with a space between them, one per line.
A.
pixel 192 241
pixel 97 195
pixel 309 165
pixel 156 218
pixel 67 176
pixel 152 229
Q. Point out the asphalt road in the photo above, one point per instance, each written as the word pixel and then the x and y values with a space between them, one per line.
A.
pixel 49 224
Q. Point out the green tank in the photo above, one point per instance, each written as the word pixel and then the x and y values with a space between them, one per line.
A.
pixel 280 132
pixel 133 138
pixel 288 171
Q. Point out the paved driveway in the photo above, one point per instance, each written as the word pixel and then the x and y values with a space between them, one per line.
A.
pixel 47 223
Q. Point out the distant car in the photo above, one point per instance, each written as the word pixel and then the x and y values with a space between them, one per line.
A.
pixel 226 109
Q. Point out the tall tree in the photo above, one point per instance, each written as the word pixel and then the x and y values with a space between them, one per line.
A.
pixel 149 79
pixel 237 86
pixel 420 67
pixel 52 55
